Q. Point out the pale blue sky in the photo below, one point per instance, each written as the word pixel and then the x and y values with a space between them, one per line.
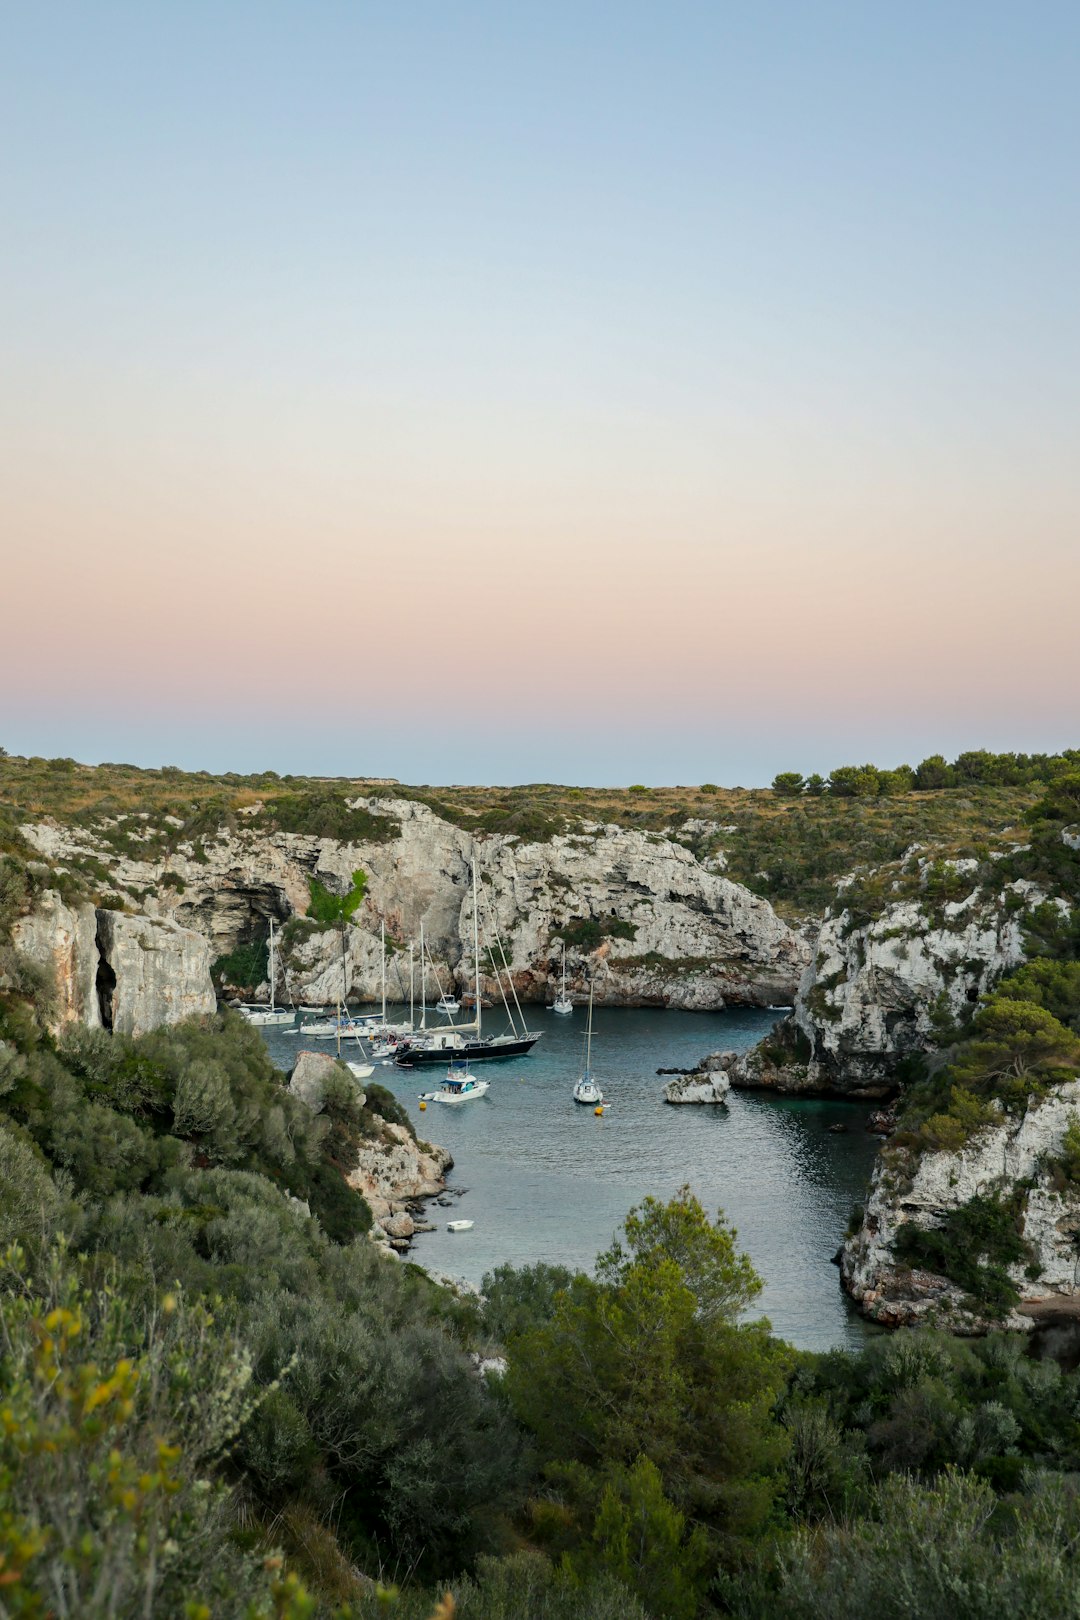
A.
pixel 692 390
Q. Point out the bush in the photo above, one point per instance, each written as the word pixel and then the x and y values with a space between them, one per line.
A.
pixel 972 1247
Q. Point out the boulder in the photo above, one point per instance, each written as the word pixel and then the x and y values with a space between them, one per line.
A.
pixel 708 1083
pixel 309 1076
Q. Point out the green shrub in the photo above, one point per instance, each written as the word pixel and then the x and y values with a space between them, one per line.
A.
pixel 327 908
pixel 972 1247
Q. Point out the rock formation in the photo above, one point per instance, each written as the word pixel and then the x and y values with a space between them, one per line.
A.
pixel 708 1083
pixel 63 940
pixel 671 930
pixel 159 973
pixel 393 1170
pixel 872 989
pixel 1015 1155
pixel 128 973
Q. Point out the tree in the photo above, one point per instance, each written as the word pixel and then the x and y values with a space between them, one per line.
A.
pixel 788 784
pixel 815 784
pixel 644 1542
pixel 934 772
pixel 649 1361
pixel 1062 800
pixel 855 781
pixel 1020 1041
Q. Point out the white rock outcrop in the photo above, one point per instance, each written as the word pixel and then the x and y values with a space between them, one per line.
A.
pixel 871 991
pixel 925 1189
pixel 397 1169
pixel 708 1083
pixel 63 940
pixel 151 972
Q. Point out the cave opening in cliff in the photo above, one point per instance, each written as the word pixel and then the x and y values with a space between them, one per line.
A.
pixel 105 985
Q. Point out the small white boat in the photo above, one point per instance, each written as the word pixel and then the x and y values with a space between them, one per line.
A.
pixel 586 1089
pixel 458 1226
pixel 772 1008
pixel 562 1002
pixel 448 1004
pixel 360 1071
pixel 459 1086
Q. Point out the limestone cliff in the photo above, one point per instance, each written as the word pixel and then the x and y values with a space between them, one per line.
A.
pixel 1016 1154
pixel 128 973
pixel 670 929
pixel 874 986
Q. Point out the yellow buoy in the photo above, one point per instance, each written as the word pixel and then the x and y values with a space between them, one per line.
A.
pixel 599 1112
pixel 423 1105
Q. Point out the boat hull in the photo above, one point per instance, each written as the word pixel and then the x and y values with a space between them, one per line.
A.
pixel 468 1051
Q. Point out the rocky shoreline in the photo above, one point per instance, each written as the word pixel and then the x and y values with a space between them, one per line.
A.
pixel 397 1174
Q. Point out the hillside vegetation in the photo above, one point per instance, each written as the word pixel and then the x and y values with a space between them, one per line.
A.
pixel 220 1401
pixel 789 843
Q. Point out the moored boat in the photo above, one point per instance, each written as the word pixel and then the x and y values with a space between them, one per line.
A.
pixel 586 1089
pixel 459 1086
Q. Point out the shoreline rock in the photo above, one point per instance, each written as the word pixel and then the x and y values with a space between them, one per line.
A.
pixel 708 1083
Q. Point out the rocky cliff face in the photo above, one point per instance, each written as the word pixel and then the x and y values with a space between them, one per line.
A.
pixel 127 973
pixel 871 991
pixel 1014 1153
pixel 675 932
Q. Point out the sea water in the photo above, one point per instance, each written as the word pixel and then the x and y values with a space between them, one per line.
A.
pixel 543 1178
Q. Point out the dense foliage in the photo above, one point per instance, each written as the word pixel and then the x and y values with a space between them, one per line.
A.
pixel 213 1404
pixel 975 768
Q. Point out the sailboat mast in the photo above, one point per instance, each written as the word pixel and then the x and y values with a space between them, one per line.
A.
pixel 423 981
pixel 412 985
pixel 271 964
pixel 476 941
pixel 588 1035
pixel 382 941
pixel 564 971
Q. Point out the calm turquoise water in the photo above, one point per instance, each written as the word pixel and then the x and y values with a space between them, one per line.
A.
pixel 547 1180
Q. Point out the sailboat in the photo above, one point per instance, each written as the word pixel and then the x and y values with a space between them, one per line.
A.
pixel 562 1002
pixel 586 1090
pixel 271 1015
pixel 467 1041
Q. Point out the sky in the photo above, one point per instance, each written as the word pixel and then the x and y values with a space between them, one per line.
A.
pixel 584 392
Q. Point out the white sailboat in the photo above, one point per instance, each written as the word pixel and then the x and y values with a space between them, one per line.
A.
pixel 562 1002
pixel 586 1090
pixel 264 1017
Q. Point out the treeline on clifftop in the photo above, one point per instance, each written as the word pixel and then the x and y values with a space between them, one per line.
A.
pixel 217 1406
pixel 975 768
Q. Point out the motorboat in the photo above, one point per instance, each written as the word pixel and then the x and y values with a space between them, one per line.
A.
pixel 459 1086
pixel 448 1004
pixel 586 1089
pixel 458 1226
pixel 562 1002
